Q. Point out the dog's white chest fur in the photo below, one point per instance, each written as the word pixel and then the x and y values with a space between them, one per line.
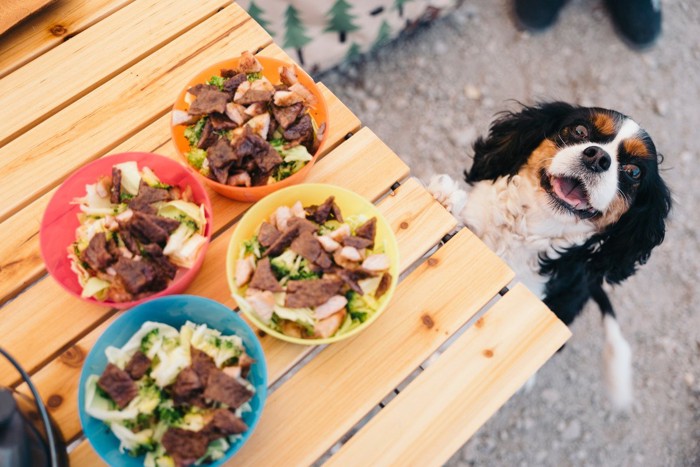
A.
pixel 508 216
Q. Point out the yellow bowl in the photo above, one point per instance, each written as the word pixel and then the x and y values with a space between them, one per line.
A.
pixel 350 204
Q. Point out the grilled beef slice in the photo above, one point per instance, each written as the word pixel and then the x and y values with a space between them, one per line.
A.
pixel 383 286
pixel 197 88
pixel 302 225
pixel 118 385
pixel 367 230
pixel 323 212
pixel 224 423
pixel 307 246
pixel 207 137
pixel 185 446
pixel 187 389
pixel 129 241
pixel 221 157
pixel 146 230
pixel 162 264
pixel 115 197
pixel 285 116
pixel 357 242
pixel 138 276
pixel 231 84
pixel 138 365
pixel 223 388
pixel 201 363
pixel 222 122
pixel 146 196
pixel 268 160
pixel 209 100
pixel 268 234
pixel 283 241
pixel 310 293
pixel 264 278
pixel 97 254
pixel 301 130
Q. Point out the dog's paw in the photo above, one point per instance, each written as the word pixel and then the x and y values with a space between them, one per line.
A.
pixel 447 192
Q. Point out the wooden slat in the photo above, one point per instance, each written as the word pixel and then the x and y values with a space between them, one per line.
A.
pixel 84 456
pixel 462 389
pixel 20 259
pixel 14 11
pixel 52 379
pixel 91 58
pixel 43 308
pixel 347 379
pixel 49 28
pixel 119 108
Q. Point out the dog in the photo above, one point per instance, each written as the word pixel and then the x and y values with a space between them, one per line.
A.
pixel 571 198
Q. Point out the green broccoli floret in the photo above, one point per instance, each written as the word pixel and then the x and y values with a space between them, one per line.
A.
pixel 170 415
pixel 217 81
pixel 148 340
pixel 253 247
pixel 253 76
pixel 194 132
pixel 292 266
pixel 358 308
pixel 196 157
pixel 149 397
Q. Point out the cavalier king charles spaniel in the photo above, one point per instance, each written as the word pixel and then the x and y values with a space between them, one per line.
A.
pixel 570 197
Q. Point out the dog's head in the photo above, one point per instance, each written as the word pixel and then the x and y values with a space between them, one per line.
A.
pixel 590 165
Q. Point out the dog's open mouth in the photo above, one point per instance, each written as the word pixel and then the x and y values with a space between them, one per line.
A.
pixel 569 193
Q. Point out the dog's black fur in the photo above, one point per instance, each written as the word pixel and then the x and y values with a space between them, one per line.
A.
pixel 611 255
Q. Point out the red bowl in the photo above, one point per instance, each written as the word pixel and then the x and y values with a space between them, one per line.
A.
pixel 57 231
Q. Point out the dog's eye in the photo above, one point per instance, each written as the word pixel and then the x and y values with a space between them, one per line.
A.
pixel 632 171
pixel 580 132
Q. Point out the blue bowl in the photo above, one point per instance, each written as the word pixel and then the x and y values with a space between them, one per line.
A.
pixel 174 310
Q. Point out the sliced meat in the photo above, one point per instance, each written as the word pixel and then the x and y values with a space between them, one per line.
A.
pixel 165 223
pixel 302 224
pixel 236 113
pixel 115 196
pixel 231 84
pixel 260 124
pixel 164 266
pixel 350 277
pixel 245 361
pixel 222 388
pixel 383 286
pixel 224 423
pixel 138 276
pixel 376 263
pixel 198 88
pixel 288 76
pixel 264 278
pixel 256 109
pixel 118 385
pixel 201 363
pixel 335 209
pixel 138 365
pixel 329 326
pixel 301 130
pixel 285 98
pixel 357 242
pixel 268 234
pixel 185 446
pixel 228 72
pixel 248 144
pixel 209 100
pixel 268 160
pixel 309 247
pixel 285 116
pixel 187 388
pixel 239 178
pixel 321 213
pixel 221 157
pixel 97 254
pixel 311 293
pixel 284 240
pixel 249 64
pixel 367 230
pixel 129 241
pixel 146 196
pixel 221 122
pixel 252 96
pixel 145 228
pixel 208 136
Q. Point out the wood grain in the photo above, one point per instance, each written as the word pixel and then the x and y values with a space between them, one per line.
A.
pixel 457 393
pixel 92 57
pixel 118 109
pixel 50 27
pixel 14 11
pixel 20 258
pixel 43 308
pixel 347 379
pixel 57 381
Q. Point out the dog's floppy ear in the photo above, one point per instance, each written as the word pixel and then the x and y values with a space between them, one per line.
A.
pixel 628 242
pixel 511 139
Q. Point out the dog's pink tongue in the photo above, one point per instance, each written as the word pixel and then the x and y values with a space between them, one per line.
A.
pixel 570 191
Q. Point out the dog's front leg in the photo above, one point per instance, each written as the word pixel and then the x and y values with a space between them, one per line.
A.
pixel 446 190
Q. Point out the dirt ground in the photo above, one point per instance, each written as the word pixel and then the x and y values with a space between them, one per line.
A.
pixel 429 95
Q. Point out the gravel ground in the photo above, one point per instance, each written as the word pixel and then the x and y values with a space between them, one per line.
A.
pixel 430 94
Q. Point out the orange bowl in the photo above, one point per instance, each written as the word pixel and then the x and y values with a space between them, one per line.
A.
pixel 271 66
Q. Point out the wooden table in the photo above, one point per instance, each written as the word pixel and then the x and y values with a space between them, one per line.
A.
pixel 89 78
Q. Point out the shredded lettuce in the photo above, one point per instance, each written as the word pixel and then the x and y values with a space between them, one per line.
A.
pixel 217 81
pixel 95 287
pixel 194 132
pixel 196 157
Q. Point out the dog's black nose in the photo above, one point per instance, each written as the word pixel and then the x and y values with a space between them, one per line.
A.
pixel 595 159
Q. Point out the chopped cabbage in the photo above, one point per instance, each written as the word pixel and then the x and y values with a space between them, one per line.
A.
pixel 184 211
pixel 169 365
pixel 301 316
pixel 131 441
pixel 187 255
pixel 220 348
pixel 95 287
pixel 156 332
pixel 298 153
pixel 131 177
pixel 215 450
